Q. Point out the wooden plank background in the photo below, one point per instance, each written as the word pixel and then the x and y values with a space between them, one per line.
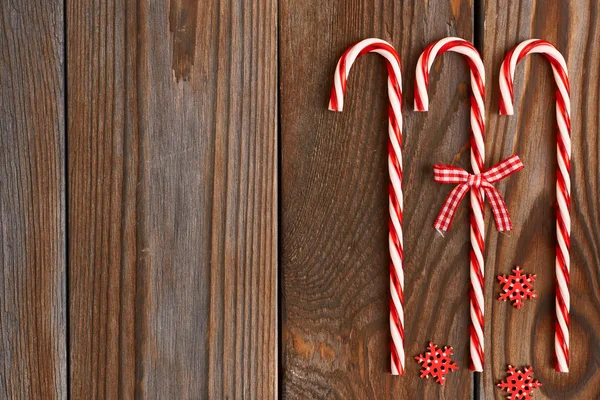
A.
pixel 181 217
pixel 526 337
pixel 33 297
pixel 172 199
pixel 334 257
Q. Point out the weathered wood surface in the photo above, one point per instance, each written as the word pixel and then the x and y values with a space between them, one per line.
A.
pixel 105 201
pixel 33 315
pixel 526 336
pixel 334 258
pixel 173 199
pixel 159 203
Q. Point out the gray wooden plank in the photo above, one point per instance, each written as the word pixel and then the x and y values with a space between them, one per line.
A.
pixel 174 198
pixel 33 356
pixel 103 175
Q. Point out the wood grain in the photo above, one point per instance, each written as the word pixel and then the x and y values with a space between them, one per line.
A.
pixel 33 354
pixel 104 203
pixel 526 337
pixel 334 258
pixel 173 194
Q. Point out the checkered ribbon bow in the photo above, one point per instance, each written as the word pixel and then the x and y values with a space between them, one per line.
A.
pixel 450 174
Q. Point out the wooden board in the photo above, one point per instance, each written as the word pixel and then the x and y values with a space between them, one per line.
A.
pixel 334 258
pixel 33 313
pixel 173 199
pixel 139 199
pixel 105 206
pixel 526 337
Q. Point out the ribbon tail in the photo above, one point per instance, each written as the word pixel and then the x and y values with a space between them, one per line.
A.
pixel 499 210
pixel 448 211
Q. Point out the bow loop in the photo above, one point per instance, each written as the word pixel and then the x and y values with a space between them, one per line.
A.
pixel 451 174
pixel 444 173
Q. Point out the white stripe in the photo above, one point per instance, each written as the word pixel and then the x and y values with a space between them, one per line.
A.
pixel 475 357
pixel 398 344
pixel 505 95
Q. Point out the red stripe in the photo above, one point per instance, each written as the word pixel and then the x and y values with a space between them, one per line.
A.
pixel 478 236
pixel 562 109
pixel 425 65
pixel 530 46
pixel 477 345
pixel 418 100
pixel 508 80
pixel 478 270
pixel 400 292
pixel 396 358
pixel 394 235
pixel 561 341
pixel 425 72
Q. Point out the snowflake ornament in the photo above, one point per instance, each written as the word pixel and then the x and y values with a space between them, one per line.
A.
pixel 517 287
pixel 519 385
pixel 436 363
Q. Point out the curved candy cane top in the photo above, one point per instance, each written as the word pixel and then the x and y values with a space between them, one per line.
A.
pixel 338 91
pixel 559 69
pixel 426 60
pixel 477 69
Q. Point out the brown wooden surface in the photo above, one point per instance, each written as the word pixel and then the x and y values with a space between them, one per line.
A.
pixel 526 337
pixel 105 222
pixel 172 199
pixel 139 215
pixel 334 259
pixel 33 313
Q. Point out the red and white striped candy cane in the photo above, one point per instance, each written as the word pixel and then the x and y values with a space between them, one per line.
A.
pixel 477 164
pixel 336 103
pixel 563 182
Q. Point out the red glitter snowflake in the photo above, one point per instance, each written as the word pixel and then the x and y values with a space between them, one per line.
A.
pixel 436 363
pixel 519 385
pixel 517 287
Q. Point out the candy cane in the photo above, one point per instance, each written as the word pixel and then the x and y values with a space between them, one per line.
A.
pixel 563 182
pixel 336 103
pixel 477 164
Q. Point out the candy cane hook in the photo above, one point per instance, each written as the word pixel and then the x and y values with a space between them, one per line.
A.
pixel 336 103
pixel 477 164
pixel 563 182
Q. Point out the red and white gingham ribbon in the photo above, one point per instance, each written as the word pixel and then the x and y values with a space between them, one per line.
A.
pixel 450 174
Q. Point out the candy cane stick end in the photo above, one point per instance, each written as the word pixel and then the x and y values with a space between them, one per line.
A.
pixel 337 107
pixel 506 109
pixel 422 104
